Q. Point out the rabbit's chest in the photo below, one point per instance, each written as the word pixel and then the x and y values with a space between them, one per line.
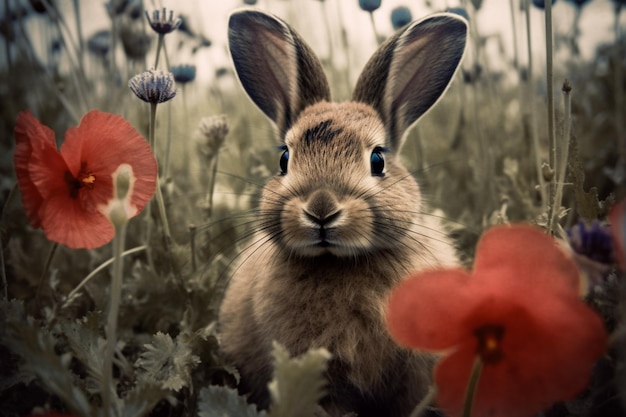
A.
pixel 346 317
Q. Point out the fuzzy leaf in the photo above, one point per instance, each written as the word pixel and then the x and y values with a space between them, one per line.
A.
pixel 168 362
pixel 144 396
pixel 88 347
pixel 217 401
pixel 298 383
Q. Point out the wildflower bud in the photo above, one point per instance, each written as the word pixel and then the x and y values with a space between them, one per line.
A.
pixel 477 4
pixel 184 73
pixel 400 17
pixel 214 130
pixel 119 209
pixel 117 213
pixel 160 22
pixel 369 5
pixel 153 86
pixel 123 180
pixel 541 4
pixel 547 172
pixel 100 43
pixel 135 41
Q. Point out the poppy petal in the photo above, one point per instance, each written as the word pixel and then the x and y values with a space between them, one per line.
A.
pixel 425 311
pixel 65 221
pixel 508 251
pixel 100 144
pixel 38 164
pixel 549 348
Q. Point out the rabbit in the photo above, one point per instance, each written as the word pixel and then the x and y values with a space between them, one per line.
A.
pixel 343 221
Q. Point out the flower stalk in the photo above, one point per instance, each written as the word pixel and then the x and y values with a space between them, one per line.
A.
pixel 551 112
pixel 423 405
pixel 563 151
pixel 115 295
pixel 118 211
pixel 46 268
pixel 192 242
pixel 531 113
pixel 158 51
pixel 472 386
pixel 158 193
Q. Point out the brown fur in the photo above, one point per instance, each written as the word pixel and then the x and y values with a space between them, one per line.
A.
pixel 307 288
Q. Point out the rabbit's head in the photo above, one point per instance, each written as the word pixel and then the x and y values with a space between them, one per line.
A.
pixel 341 189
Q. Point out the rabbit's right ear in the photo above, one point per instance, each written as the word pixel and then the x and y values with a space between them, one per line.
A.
pixel 277 69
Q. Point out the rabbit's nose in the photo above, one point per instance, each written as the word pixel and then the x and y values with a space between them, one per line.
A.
pixel 322 208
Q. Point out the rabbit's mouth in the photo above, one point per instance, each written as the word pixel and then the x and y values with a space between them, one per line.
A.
pixel 323 224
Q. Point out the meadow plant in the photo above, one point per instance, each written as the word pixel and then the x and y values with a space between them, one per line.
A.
pixel 100 316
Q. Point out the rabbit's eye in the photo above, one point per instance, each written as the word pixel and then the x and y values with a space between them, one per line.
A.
pixel 284 160
pixel 377 162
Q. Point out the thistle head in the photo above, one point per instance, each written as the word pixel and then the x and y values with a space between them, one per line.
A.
pixel 153 86
pixel 161 23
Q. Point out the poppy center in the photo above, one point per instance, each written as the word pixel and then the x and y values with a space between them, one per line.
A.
pixel 85 178
pixel 490 343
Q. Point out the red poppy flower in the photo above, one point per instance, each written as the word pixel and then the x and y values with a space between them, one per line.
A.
pixel 63 192
pixel 519 311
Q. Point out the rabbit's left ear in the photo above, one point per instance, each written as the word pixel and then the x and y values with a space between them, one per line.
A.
pixel 408 73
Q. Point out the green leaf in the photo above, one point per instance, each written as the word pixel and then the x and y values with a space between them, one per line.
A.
pixel 142 399
pixel 299 383
pixel 88 347
pixel 167 362
pixel 37 349
pixel 217 401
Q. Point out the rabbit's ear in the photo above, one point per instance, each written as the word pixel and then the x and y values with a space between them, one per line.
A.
pixel 409 72
pixel 277 69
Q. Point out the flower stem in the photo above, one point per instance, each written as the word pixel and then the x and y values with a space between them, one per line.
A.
pixel 425 403
pixel 374 28
pixel 550 92
pixel 192 237
pixel 561 168
pixel 472 385
pixel 152 126
pixel 158 193
pixel 530 87
pixel 115 295
pixel 45 270
pixel 619 89
pixel 158 52
pixel 72 294
pixel 163 214
pixel 211 190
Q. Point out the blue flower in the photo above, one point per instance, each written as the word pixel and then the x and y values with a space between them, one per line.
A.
pixel 100 42
pixel 400 16
pixel 541 3
pixel 593 241
pixel 369 5
pixel 578 3
pixel 184 73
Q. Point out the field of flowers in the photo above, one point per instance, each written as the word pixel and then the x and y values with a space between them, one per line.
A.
pixel 128 184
